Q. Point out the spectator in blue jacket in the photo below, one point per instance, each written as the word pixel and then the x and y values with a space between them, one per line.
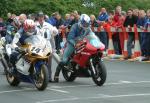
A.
pixel 67 20
pixel 11 30
pixel 146 39
pixel 140 24
pixel 66 23
pixel 102 18
pixel 142 19
pixel 52 20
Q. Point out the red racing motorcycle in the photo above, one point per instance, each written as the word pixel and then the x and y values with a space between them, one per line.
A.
pixel 86 61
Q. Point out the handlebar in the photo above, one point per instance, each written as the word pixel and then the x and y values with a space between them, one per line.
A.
pixel 20 50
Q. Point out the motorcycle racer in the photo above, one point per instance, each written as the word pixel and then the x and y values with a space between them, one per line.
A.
pixel 78 31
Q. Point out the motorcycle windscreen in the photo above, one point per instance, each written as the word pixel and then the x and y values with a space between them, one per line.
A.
pixel 40 42
pixel 94 41
pixel 36 40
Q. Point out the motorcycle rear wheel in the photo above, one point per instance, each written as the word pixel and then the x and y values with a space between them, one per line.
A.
pixel 69 76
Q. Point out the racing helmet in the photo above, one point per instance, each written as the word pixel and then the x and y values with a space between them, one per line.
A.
pixel 84 21
pixel 29 27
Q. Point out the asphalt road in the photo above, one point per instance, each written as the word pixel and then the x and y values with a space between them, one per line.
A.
pixel 127 82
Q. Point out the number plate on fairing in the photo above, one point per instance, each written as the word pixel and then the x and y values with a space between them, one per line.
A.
pixel 36 50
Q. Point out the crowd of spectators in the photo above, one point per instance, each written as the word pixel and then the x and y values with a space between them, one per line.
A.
pixel 116 18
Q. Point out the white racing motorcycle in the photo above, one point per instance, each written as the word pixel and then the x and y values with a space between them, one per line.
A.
pixel 31 66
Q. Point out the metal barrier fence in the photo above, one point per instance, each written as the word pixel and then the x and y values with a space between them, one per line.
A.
pixel 124 32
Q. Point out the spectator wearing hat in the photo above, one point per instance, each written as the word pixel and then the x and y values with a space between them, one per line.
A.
pixel 48 32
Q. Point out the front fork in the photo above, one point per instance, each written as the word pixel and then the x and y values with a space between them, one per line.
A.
pixel 92 66
pixel 93 62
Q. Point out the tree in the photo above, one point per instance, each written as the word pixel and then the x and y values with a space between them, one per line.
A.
pixel 66 6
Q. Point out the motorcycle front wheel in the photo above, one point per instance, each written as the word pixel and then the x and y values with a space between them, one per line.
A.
pixel 12 80
pixel 41 78
pixel 100 74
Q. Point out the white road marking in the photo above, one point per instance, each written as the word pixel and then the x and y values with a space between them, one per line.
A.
pixel 127 95
pixel 129 82
pixel 57 90
pixel 55 86
pixel 75 86
pixel 101 96
pixel 107 84
pixel 58 100
pixel 10 91
pixel 121 81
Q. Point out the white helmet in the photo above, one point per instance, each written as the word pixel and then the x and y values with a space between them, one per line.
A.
pixel 84 21
pixel 29 27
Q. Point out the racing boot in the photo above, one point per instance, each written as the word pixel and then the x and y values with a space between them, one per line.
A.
pixel 58 69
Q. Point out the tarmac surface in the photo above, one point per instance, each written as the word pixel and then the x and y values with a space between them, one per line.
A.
pixel 127 82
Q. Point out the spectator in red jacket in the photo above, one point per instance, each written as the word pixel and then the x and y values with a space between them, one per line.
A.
pixel 118 18
pixel 118 38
